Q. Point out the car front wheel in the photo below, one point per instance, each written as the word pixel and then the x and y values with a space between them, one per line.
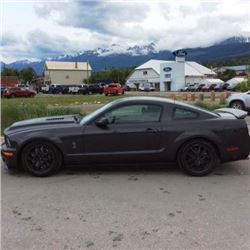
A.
pixel 237 105
pixel 41 158
pixel 197 157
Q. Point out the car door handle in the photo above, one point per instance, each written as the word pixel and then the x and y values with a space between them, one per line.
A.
pixel 151 130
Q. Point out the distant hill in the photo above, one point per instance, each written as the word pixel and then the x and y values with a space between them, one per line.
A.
pixel 118 56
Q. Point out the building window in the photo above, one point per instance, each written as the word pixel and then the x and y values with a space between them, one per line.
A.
pixel 67 77
pixel 167 75
pixel 145 72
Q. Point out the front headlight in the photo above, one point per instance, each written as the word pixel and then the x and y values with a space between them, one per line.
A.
pixel 7 141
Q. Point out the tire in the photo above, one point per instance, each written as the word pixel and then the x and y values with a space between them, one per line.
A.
pixel 41 158
pixel 12 96
pixel 237 105
pixel 197 157
pixel 106 94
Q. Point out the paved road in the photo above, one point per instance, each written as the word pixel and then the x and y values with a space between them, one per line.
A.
pixel 127 208
pixel 135 208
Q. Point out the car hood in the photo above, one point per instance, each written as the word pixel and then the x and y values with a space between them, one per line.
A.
pixel 43 121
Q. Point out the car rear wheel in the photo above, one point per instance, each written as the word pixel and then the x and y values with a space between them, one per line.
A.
pixel 237 105
pixel 197 157
pixel 41 158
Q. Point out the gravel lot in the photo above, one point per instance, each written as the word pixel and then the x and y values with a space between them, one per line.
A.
pixel 154 207
pixel 135 208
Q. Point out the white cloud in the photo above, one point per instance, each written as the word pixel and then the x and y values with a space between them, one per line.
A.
pixel 64 27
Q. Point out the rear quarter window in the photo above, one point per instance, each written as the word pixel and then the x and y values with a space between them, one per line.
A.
pixel 184 114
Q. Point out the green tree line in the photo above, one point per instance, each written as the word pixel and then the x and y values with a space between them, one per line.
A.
pixel 26 74
pixel 228 62
pixel 112 75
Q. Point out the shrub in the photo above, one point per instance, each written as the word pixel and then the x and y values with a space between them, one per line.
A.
pixel 244 86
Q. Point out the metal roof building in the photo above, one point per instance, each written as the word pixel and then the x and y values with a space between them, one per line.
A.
pixel 57 72
pixel 191 68
pixel 152 72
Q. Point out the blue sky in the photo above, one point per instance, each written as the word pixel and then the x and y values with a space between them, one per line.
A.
pixel 38 29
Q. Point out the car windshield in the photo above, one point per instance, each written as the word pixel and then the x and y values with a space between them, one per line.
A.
pixel 89 117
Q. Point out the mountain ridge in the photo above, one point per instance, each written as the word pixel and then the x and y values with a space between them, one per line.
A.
pixel 120 56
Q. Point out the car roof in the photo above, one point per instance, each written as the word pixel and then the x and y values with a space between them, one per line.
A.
pixel 149 98
pixel 162 100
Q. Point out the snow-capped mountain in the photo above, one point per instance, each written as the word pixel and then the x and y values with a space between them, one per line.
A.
pixel 236 39
pixel 114 49
pixel 118 55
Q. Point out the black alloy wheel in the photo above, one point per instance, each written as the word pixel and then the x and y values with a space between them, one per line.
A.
pixel 197 157
pixel 41 158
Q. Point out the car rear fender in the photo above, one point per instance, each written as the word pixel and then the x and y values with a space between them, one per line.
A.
pixel 205 135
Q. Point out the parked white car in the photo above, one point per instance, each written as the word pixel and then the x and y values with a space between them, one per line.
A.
pixel 146 87
pixel 44 88
pixel 74 89
pixel 239 101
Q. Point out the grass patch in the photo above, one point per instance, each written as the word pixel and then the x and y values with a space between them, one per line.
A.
pixel 61 100
pixel 12 113
pixel 18 109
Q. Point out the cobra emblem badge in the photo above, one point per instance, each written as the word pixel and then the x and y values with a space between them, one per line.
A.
pixel 74 145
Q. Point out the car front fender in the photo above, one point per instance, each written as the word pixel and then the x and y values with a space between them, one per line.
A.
pixel 38 136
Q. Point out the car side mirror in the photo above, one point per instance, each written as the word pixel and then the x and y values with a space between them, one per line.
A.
pixel 102 122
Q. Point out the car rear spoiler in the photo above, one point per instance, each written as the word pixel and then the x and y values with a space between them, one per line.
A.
pixel 239 114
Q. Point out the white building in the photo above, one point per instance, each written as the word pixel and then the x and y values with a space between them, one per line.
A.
pixel 169 75
pixel 69 73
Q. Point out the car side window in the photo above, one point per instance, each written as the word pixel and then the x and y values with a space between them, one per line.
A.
pixel 180 113
pixel 135 114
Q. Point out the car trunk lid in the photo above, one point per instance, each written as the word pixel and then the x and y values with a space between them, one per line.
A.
pixel 237 113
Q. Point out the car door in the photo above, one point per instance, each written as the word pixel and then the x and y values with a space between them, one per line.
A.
pixel 18 92
pixel 133 134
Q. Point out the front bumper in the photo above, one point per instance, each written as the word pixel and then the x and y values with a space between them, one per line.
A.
pixel 9 156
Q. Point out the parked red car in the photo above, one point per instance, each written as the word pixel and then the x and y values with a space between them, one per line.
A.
pixel 114 89
pixel 18 92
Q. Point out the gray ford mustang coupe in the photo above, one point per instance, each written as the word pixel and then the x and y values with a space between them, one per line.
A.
pixel 130 130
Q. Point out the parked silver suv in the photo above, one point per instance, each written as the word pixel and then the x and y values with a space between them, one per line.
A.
pixel 239 101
